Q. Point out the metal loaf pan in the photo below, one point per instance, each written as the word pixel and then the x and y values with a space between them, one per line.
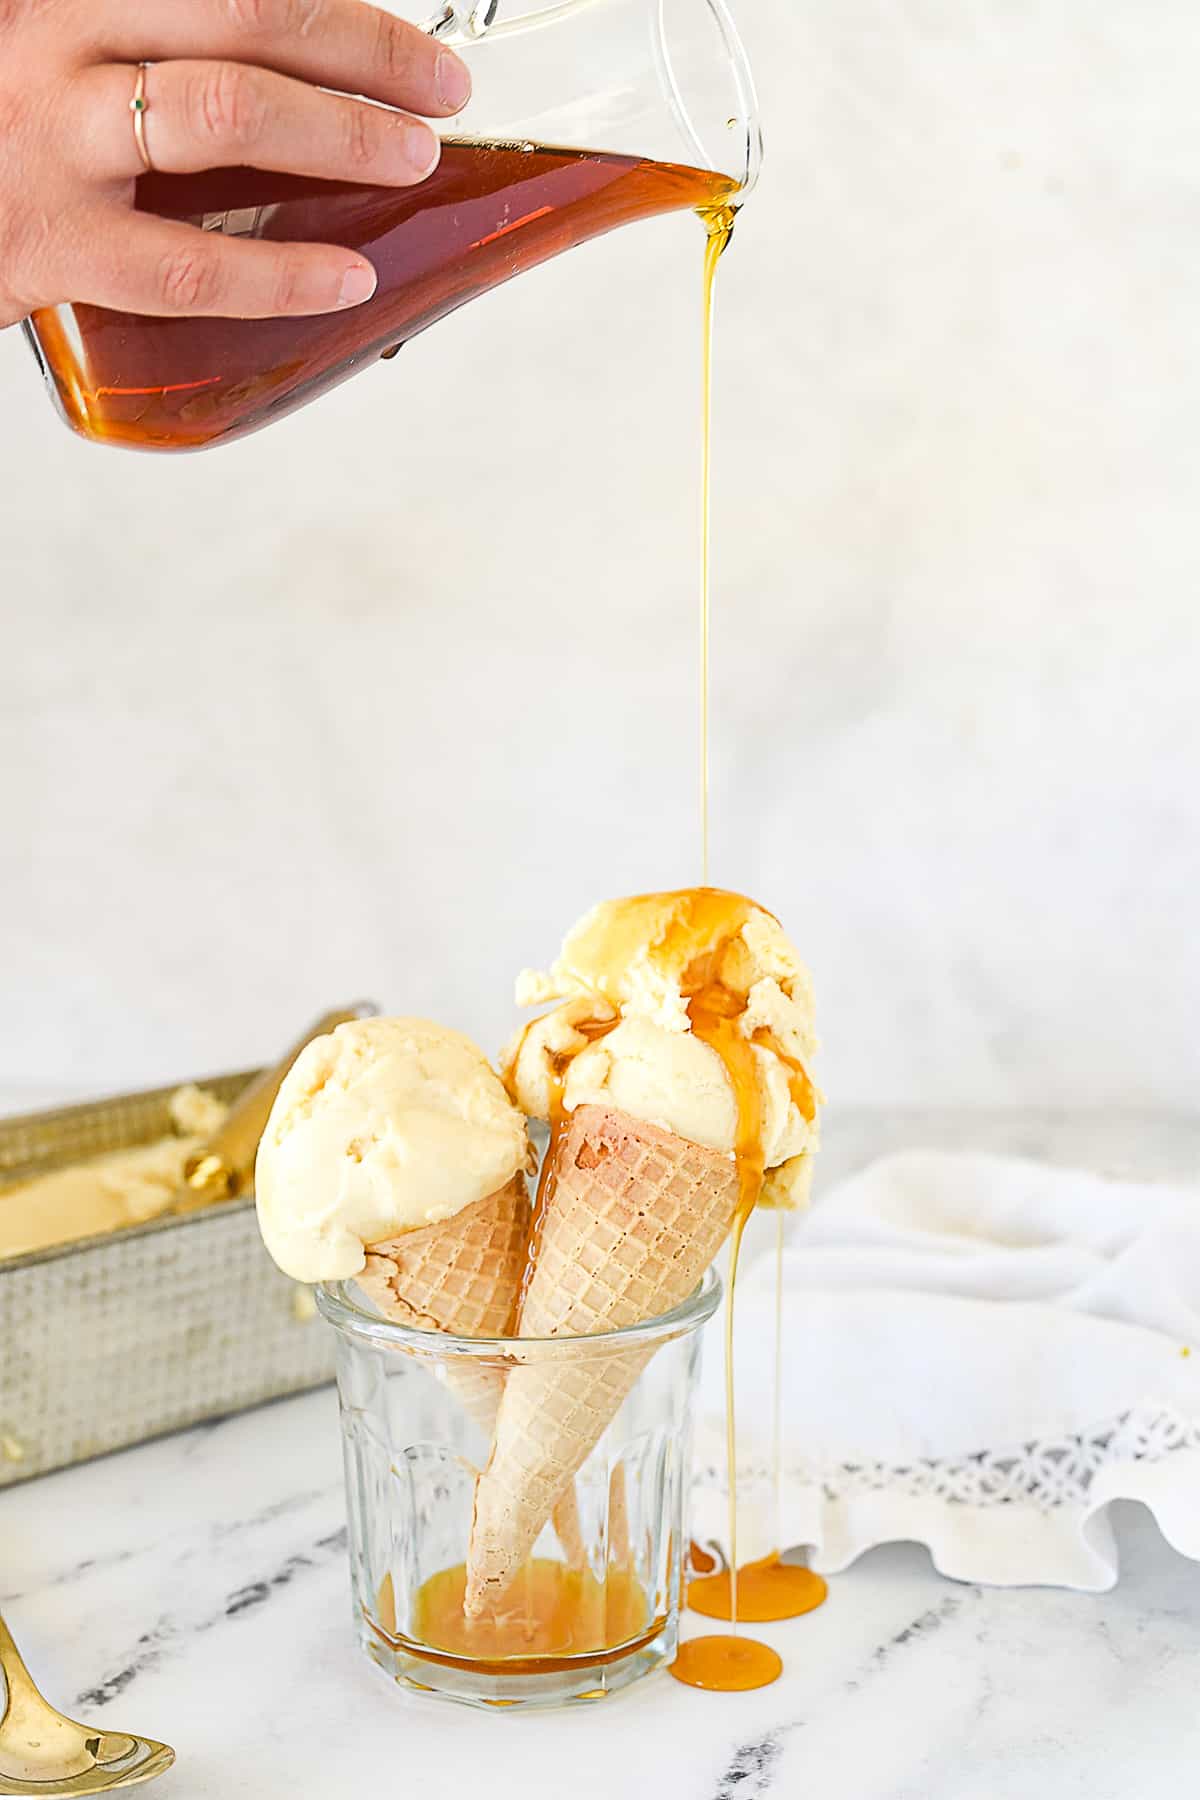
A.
pixel 110 1340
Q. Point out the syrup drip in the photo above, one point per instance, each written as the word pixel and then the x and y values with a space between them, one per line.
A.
pixel 695 936
pixel 699 942
pixel 713 1010
pixel 699 1560
pixel 708 923
pixel 766 1590
pixel 800 1087
pixel 719 220
pixel 726 1665
pixel 591 1031
pixel 777 1395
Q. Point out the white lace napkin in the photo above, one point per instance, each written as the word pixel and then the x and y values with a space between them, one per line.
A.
pixel 980 1354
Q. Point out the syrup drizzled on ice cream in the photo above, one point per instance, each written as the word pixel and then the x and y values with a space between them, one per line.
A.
pixel 685 960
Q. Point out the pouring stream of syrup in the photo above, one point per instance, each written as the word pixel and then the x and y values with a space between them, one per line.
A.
pixel 719 222
pixel 697 942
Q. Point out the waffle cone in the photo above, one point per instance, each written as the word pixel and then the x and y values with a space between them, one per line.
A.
pixel 632 1218
pixel 462 1276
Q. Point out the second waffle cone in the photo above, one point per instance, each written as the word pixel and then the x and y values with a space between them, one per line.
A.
pixel 633 1217
pixel 462 1276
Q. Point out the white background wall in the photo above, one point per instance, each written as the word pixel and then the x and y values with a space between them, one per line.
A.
pixel 379 700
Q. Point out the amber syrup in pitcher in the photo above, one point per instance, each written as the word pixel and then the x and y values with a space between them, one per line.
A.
pixel 489 211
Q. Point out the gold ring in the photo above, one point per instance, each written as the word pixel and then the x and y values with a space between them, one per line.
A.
pixel 139 106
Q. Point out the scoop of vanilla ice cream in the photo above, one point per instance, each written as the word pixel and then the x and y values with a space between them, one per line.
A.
pixel 380 1127
pixel 629 961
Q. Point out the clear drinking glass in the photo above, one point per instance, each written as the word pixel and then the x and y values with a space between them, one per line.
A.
pixel 585 115
pixel 597 1604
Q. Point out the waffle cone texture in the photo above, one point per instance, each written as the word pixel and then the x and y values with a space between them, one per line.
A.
pixel 462 1276
pixel 631 1219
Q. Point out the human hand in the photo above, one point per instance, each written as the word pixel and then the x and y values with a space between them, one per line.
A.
pixel 230 82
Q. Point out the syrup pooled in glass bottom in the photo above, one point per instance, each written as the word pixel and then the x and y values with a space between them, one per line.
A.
pixel 489 211
pixel 550 1618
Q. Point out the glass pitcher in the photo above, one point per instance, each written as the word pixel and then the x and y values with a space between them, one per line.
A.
pixel 585 115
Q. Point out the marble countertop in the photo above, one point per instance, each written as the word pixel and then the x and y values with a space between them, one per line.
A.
pixel 196 1589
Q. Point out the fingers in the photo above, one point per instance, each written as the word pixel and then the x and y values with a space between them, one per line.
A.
pixel 204 115
pixel 337 43
pixel 135 263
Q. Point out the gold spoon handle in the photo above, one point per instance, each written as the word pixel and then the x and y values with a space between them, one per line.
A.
pixel 18 1681
pixel 37 1744
pixel 223 1165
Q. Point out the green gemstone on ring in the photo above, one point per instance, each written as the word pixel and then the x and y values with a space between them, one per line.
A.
pixel 137 106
